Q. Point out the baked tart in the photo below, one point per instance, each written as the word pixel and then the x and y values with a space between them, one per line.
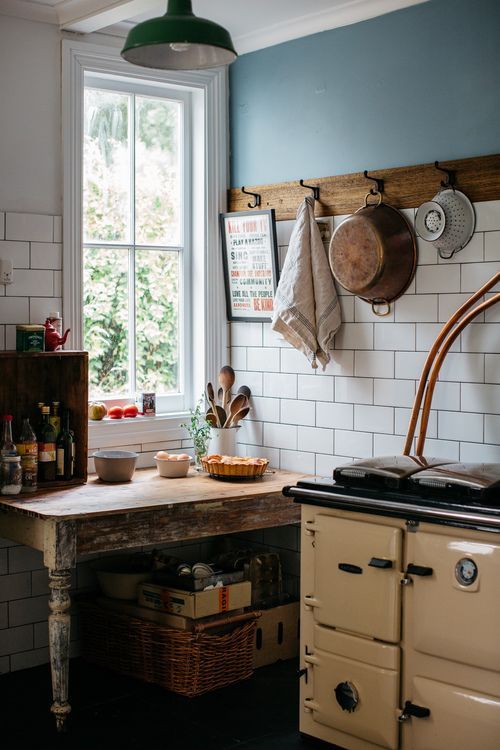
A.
pixel 234 466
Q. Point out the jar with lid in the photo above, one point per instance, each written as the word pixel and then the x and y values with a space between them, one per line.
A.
pixel 11 476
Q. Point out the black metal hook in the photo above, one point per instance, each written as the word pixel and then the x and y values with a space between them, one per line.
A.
pixel 450 176
pixel 380 183
pixel 311 187
pixel 256 198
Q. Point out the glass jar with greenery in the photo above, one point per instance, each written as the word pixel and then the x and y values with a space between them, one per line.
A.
pixel 199 432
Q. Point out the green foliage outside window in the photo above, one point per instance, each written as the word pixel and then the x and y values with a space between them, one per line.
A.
pixel 106 273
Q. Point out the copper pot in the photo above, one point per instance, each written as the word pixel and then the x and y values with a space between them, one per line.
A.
pixel 373 254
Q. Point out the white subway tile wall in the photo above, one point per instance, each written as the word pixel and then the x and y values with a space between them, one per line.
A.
pixel 302 420
pixel 361 405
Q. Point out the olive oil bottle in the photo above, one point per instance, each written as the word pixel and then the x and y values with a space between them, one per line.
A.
pixel 46 448
pixel 65 449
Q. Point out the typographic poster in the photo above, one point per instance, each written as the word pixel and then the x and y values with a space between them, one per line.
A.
pixel 250 264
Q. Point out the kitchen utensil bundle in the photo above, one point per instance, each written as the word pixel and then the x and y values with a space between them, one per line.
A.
pixel 229 412
pixel 448 220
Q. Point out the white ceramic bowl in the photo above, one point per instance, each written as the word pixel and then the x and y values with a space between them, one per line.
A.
pixel 115 466
pixel 172 469
pixel 117 577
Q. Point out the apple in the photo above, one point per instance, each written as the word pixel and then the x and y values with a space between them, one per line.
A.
pixel 97 410
pixel 130 410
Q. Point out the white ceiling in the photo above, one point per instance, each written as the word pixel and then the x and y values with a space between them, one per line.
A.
pixel 253 24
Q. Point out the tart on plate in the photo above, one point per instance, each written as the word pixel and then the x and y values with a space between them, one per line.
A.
pixel 234 466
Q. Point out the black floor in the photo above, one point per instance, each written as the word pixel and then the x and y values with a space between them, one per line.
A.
pixel 109 711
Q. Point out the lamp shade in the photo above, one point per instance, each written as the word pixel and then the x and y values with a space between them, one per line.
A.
pixel 179 40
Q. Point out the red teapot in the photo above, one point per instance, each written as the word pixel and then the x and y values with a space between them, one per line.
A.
pixel 53 341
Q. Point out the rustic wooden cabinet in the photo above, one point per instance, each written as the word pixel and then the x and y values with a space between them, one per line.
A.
pixel 29 377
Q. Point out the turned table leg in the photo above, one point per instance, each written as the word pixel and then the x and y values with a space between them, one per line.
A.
pixel 59 638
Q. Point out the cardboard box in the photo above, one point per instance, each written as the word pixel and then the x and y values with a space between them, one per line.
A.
pixel 160 618
pixel 277 634
pixel 188 583
pixel 195 604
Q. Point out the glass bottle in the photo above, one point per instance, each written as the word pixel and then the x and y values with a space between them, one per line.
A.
pixel 46 448
pixel 10 475
pixel 65 450
pixel 8 445
pixel 55 419
pixel 39 418
pixel 27 447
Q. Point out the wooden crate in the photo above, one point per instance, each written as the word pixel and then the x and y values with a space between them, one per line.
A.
pixel 29 377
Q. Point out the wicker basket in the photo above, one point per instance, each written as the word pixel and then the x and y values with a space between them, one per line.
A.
pixel 189 663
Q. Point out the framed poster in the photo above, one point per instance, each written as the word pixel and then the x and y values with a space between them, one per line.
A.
pixel 250 257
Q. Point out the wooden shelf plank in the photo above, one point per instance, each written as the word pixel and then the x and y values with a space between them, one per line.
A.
pixel 405 187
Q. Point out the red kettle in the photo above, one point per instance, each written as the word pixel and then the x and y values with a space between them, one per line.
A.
pixel 53 341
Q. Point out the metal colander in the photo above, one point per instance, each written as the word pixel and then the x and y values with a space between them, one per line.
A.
pixel 447 221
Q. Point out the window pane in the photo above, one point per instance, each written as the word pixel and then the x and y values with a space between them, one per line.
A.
pixel 106 167
pixel 157 164
pixel 157 276
pixel 106 319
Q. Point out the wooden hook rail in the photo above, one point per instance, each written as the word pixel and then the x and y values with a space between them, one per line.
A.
pixel 404 187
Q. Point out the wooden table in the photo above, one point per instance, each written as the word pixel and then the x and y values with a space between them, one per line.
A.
pixel 98 517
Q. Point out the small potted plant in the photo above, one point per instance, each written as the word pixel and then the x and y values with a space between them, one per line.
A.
pixel 199 432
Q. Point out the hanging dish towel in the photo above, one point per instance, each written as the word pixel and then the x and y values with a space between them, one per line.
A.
pixel 306 308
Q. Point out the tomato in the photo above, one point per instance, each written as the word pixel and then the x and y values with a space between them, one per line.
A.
pixel 116 412
pixel 130 410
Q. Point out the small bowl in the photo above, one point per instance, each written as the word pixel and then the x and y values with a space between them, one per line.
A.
pixel 119 576
pixel 115 466
pixel 172 469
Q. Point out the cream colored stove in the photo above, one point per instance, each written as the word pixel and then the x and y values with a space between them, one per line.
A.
pixel 400 621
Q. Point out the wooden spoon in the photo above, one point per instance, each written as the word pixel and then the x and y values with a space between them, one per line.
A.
pixel 245 390
pixel 238 402
pixel 211 418
pixel 226 380
pixel 219 415
pixel 220 394
pixel 241 414
pixel 211 401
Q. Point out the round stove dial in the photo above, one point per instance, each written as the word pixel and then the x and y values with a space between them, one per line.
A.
pixel 466 571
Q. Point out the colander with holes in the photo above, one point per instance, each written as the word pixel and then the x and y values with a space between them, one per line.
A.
pixel 448 221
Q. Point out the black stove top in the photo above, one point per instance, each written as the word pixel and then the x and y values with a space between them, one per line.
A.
pixel 434 490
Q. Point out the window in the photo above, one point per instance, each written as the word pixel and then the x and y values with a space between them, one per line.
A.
pixel 136 248
pixel 142 268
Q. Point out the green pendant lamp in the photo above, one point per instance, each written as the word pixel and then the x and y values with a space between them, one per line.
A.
pixel 179 40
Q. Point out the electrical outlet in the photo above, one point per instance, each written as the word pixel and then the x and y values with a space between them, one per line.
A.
pixel 6 271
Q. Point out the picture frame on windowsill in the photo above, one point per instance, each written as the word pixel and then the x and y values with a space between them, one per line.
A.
pixel 251 266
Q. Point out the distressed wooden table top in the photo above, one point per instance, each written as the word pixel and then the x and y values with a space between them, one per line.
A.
pixel 147 491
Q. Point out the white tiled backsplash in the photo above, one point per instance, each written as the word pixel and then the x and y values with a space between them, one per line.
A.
pixel 34 244
pixel 302 420
pixel 311 421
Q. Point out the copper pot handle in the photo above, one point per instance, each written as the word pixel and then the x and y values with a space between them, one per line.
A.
pixel 432 355
pixel 429 391
pixel 381 313
pixel 368 195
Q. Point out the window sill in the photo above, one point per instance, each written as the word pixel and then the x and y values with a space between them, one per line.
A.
pixel 108 433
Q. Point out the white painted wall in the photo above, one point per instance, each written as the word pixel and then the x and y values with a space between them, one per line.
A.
pixel 30 117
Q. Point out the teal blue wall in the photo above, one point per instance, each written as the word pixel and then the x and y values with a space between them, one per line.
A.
pixel 409 87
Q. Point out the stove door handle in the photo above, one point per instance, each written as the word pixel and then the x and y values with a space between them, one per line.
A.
pixel 418 570
pixel 350 568
pixel 410 709
pixel 380 562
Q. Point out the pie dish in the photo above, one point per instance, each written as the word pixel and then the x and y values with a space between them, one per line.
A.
pixel 234 466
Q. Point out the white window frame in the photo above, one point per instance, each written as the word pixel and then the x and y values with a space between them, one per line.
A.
pixel 176 402
pixel 210 180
